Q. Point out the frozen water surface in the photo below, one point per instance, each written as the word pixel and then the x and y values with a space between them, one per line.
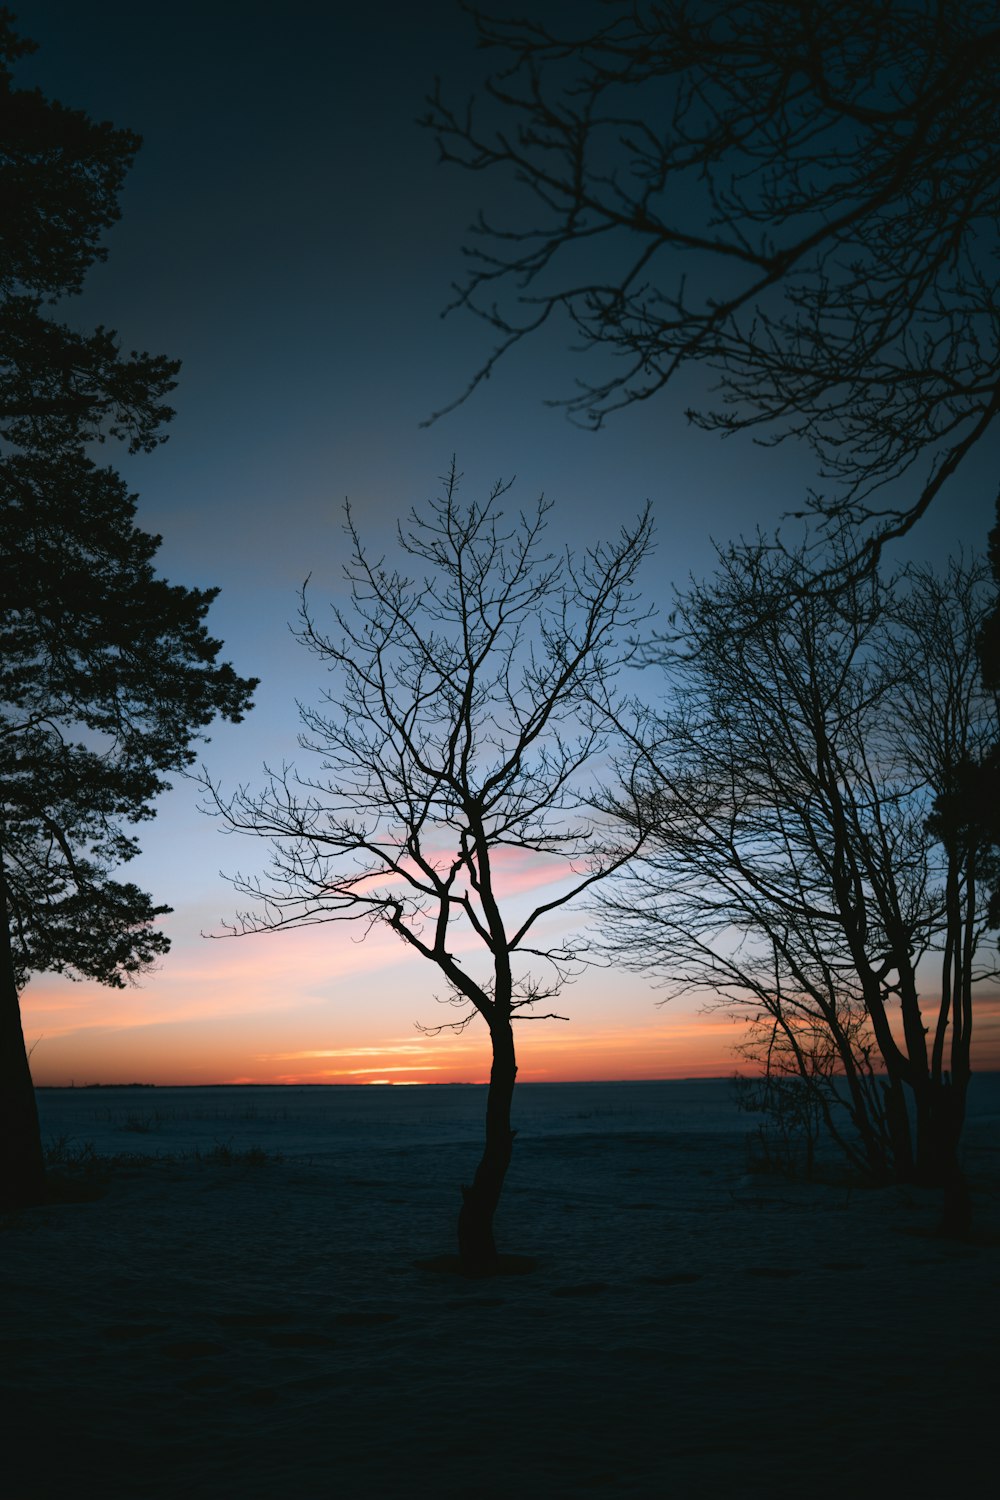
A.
pixel 315 1120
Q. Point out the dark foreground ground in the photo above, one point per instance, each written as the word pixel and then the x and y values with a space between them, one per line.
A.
pixel 232 1326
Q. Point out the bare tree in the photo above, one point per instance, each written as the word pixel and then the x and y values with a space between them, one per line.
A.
pixel 802 198
pixel 969 802
pixel 790 869
pixel 472 709
pixel 952 744
pixel 989 635
pixel 795 1057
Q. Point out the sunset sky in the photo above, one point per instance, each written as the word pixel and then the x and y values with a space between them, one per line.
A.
pixel 288 233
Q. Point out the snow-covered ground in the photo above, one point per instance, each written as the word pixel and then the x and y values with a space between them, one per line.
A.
pixel 229 1324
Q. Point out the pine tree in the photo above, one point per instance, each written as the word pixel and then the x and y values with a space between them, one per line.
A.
pixel 107 672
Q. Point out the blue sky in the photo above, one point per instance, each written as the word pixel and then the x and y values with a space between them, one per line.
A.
pixel 288 233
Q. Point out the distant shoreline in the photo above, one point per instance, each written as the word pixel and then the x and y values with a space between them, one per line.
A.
pixel 526 1084
pixel 305 1084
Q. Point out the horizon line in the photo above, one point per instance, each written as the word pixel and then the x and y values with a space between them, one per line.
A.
pixel 459 1083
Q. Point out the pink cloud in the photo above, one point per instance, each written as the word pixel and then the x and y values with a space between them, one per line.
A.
pixel 200 979
pixel 514 871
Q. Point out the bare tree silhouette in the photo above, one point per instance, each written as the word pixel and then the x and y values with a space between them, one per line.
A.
pixel 472 710
pixel 802 198
pixel 790 868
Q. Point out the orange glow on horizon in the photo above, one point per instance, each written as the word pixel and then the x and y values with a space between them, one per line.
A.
pixel 685 1047
pixel 679 1046
pixel 301 1008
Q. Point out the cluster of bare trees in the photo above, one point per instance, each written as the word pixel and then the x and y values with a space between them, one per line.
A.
pixel 801 199
pixel 772 840
pixel 793 864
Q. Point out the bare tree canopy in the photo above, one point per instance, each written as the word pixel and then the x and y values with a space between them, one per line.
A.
pixel 803 198
pixel 472 709
pixel 790 869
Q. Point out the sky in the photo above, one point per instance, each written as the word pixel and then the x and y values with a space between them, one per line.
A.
pixel 289 234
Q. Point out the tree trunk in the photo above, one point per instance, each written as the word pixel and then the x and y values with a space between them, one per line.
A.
pixel 867 1114
pixel 22 1166
pixel 947 1113
pixel 898 1123
pixel 476 1245
pixel 949 1091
